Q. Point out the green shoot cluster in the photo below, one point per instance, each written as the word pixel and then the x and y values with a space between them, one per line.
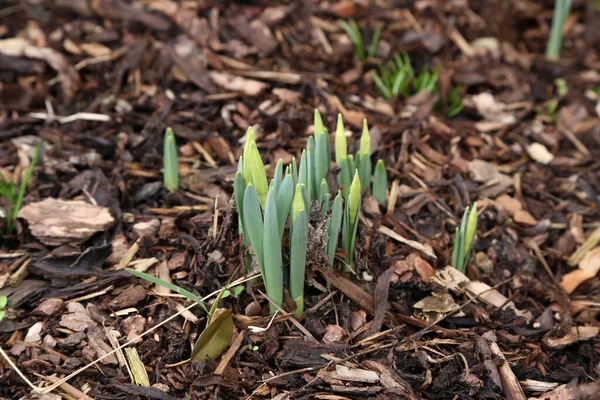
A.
pixel 264 206
pixel 463 241
pixel 351 29
pixel 397 78
pixel 8 189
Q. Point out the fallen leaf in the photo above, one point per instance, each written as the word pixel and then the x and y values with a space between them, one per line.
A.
pixel 55 222
pixel 215 338
pixel 493 112
pixel 495 182
pixel 509 204
pixel 524 217
pixel 588 268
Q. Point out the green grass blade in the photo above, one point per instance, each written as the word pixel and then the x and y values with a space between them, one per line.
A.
pixel 333 228
pixel 284 201
pixel 277 175
pixel 254 223
pixel 324 196
pixel 298 246
pixel 374 42
pixel 365 168
pixel 188 295
pixel 239 187
pixel 321 161
pixel 385 91
pixel 561 11
pixel 273 274
pixel 171 166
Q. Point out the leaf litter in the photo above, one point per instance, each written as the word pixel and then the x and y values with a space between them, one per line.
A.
pixel 100 92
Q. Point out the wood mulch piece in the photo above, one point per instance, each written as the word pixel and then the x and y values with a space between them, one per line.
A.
pixel 99 81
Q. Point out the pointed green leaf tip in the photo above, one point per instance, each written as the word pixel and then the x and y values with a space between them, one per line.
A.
pixel 171 165
pixel 471 229
pixel 354 198
pixel 258 173
pixel 246 169
pixel 298 203
pixel 319 127
pixel 365 140
pixel 341 147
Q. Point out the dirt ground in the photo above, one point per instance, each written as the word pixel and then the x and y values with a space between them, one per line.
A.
pixel 99 81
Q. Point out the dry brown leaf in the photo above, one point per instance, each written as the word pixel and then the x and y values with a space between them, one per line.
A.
pixel 524 217
pixel 588 268
pixel 492 111
pixel 249 87
pixel 496 182
pixel 55 222
pixel 509 204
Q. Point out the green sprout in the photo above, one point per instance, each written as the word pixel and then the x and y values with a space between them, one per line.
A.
pixel 561 12
pixel 170 162
pixel 3 302
pixel 380 183
pixel 351 29
pixel 455 104
pixel 463 241
pixel 8 189
pixel 397 78
pixel 298 246
pixel 334 224
pixel 350 223
pixel 293 190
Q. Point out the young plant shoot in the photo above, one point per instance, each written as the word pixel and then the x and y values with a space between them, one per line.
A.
pixel 561 12
pixel 298 246
pixel 171 164
pixel 9 190
pixel 463 241
pixel 380 182
pixel 351 29
pixel 350 224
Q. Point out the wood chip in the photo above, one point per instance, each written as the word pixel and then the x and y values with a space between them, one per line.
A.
pixel 577 333
pixel 354 374
pixel 55 222
pixel 249 87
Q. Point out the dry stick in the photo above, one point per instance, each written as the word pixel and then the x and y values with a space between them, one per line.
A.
pixel 65 379
pixel 414 336
pixel 510 384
